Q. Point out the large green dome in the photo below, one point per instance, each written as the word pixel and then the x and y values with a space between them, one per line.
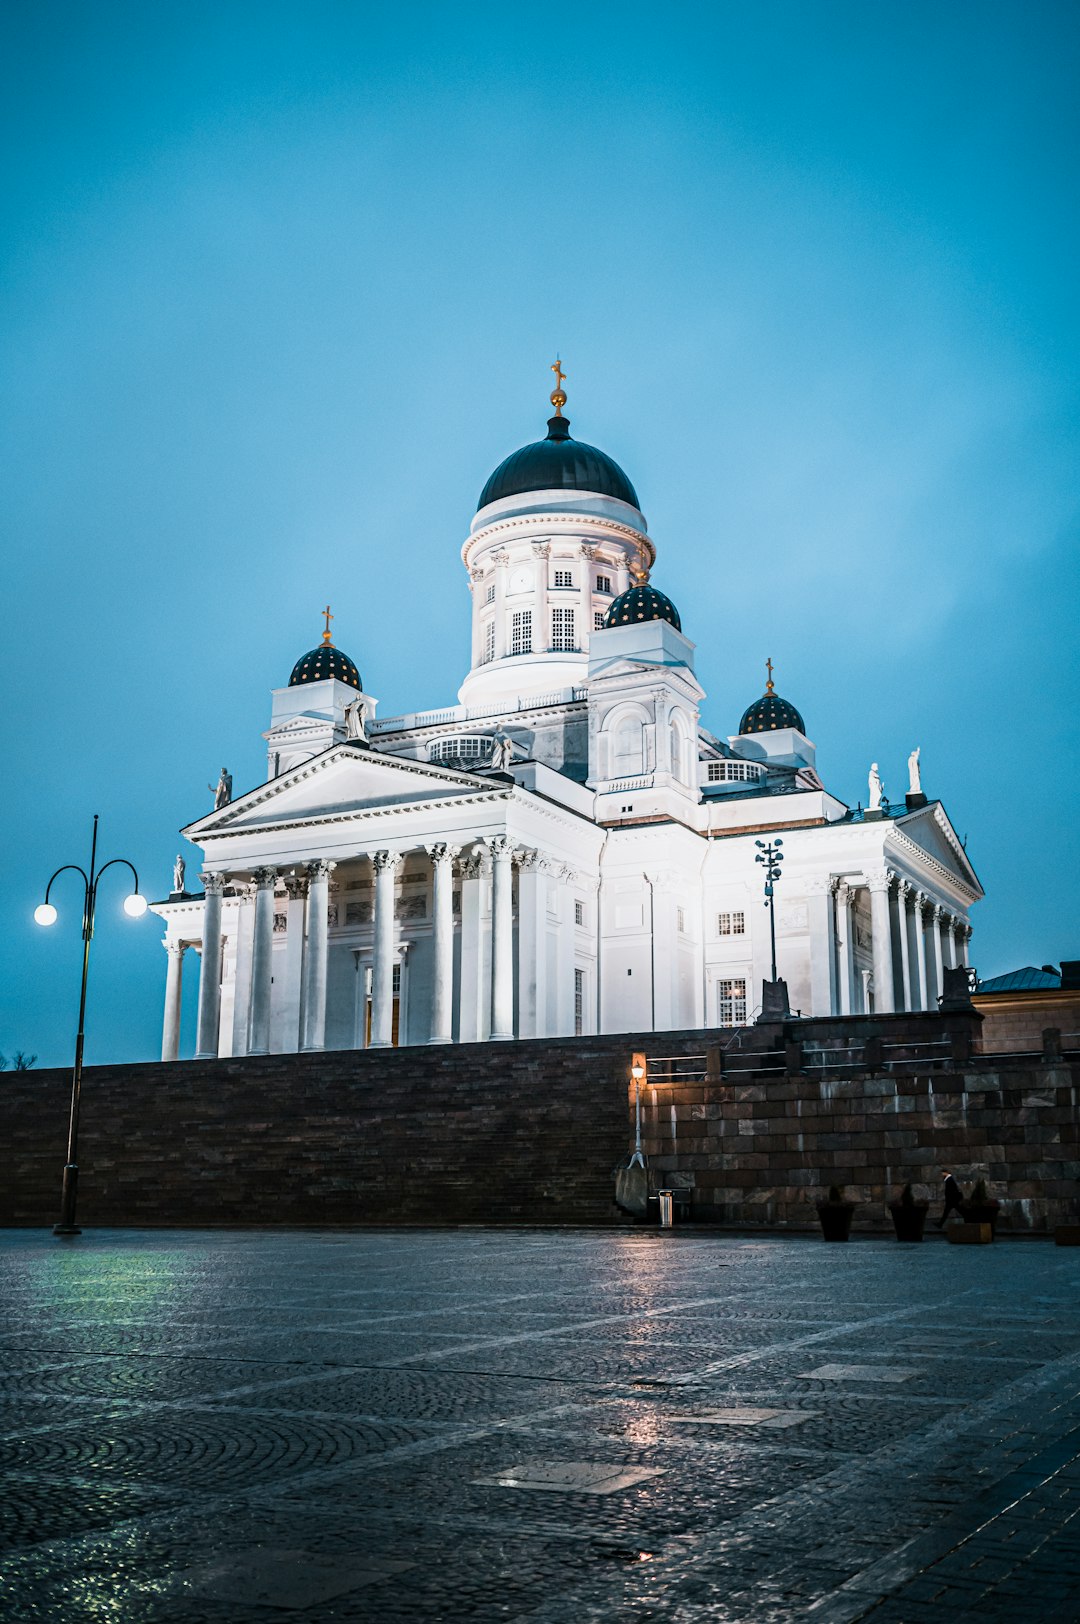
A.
pixel 558 463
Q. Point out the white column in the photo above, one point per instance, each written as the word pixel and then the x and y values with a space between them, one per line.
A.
pixel 208 1036
pixel 936 978
pixel 903 892
pixel 532 945
pixel 583 627
pixel 822 953
pixel 245 934
pixel 844 928
pixel 170 1036
pixel 287 1018
pixel 502 641
pixel 316 953
pixel 881 935
pixel 262 955
pixel 470 1019
pixel 386 865
pixel 502 937
pixel 542 613
pixel 923 999
pixel 442 914
pixel 951 923
pixel 965 937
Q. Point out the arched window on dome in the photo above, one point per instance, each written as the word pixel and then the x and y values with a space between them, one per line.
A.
pixel 680 750
pixel 629 749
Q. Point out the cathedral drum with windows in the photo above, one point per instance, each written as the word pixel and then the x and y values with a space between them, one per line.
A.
pixel 567 848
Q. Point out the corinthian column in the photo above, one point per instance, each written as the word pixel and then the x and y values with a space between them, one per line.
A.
pixel 262 953
pixel 442 910
pixel 206 1042
pixel 502 938
pixel 920 951
pixel 903 892
pixel 881 932
pixel 170 1036
pixel 936 978
pixel 386 865
pixel 843 927
pixel 313 1017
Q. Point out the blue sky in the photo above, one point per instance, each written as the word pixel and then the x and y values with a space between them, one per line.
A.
pixel 280 286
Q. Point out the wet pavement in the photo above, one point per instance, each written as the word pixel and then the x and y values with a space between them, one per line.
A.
pixel 559 1427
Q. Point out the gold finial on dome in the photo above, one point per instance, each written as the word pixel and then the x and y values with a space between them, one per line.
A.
pixel 558 394
pixel 640 570
pixel 327 639
pixel 769 687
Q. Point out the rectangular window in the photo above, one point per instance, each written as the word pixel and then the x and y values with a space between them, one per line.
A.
pixel 579 913
pixel 731 924
pixel 603 583
pixel 564 578
pixel 489 596
pixel 521 632
pixel 397 981
pixel 732 1003
pixel 489 643
pixel 598 620
pixel 579 1002
pixel 562 630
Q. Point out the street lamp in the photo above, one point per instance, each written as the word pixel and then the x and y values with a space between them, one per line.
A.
pixel 772 857
pixel 637 1072
pixel 45 914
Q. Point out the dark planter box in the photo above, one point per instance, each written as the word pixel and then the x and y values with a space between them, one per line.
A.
pixel 909 1219
pixel 835 1217
pixel 981 1212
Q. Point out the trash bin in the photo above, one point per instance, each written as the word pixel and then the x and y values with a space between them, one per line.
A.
pixel 666 1208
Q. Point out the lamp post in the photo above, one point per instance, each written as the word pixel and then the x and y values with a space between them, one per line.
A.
pixel 45 914
pixel 772 857
pixel 637 1072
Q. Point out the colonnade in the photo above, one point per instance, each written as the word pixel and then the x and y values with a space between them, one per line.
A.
pixel 931 938
pixel 485 992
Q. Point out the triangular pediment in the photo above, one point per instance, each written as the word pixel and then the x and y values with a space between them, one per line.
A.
pixel 346 778
pixel 929 828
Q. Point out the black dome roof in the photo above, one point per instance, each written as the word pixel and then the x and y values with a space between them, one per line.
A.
pixel 770 712
pixel 642 602
pixel 322 662
pixel 558 463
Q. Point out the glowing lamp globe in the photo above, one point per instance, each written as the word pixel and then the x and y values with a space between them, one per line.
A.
pixel 45 913
pixel 135 905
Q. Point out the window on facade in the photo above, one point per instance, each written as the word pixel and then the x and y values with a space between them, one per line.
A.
pixel 579 912
pixel 521 632
pixel 460 747
pixel 489 595
pixel 564 578
pixel 397 981
pixel 489 643
pixel 598 620
pixel 731 924
pixel 732 772
pixel 629 747
pixel 579 1002
pixel 562 630
pixel 680 921
pixel 677 753
pixel 732 1002
pixel 603 583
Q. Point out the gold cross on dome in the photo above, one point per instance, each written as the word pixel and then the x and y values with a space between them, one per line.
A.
pixel 558 394
pixel 769 689
pixel 329 618
pixel 560 375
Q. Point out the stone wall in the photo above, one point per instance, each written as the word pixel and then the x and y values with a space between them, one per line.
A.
pixel 1014 1022
pixel 756 1125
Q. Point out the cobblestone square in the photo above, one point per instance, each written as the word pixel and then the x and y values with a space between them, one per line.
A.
pixel 208 1426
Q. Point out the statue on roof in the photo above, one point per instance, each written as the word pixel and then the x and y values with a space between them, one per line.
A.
pixel 914 773
pixel 222 790
pixel 877 788
pixel 178 876
pixel 503 752
pixel 355 732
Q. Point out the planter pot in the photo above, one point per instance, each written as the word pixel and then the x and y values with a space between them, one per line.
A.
pixel 835 1217
pixel 981 1212
pixel 909 1219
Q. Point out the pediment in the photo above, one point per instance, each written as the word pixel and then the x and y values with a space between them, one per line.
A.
pixel 341 780
pixel 931 831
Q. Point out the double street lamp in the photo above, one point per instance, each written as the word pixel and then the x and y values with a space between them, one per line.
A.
pixel 45 914
pixel 771 856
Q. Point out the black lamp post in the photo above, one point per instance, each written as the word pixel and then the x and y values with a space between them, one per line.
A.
pixel 772 857
pixel 45 914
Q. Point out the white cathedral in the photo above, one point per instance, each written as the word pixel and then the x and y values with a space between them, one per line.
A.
pixel 565 850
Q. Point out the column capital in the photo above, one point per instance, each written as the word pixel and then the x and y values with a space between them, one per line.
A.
pixel 937 912
pixel 819 885
pixel 500 848
pixel 296 886
pixel 214 884
pixel 320 869
pixel 904 889
pixel 879 879
pixel 472 866
pixel 588 550
pixel 541 549
pixel 529 860
pixel 441 852
pixel 264 877
pixel 383 861
pixel 501 557
pixel 176 950
pixel 843 893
